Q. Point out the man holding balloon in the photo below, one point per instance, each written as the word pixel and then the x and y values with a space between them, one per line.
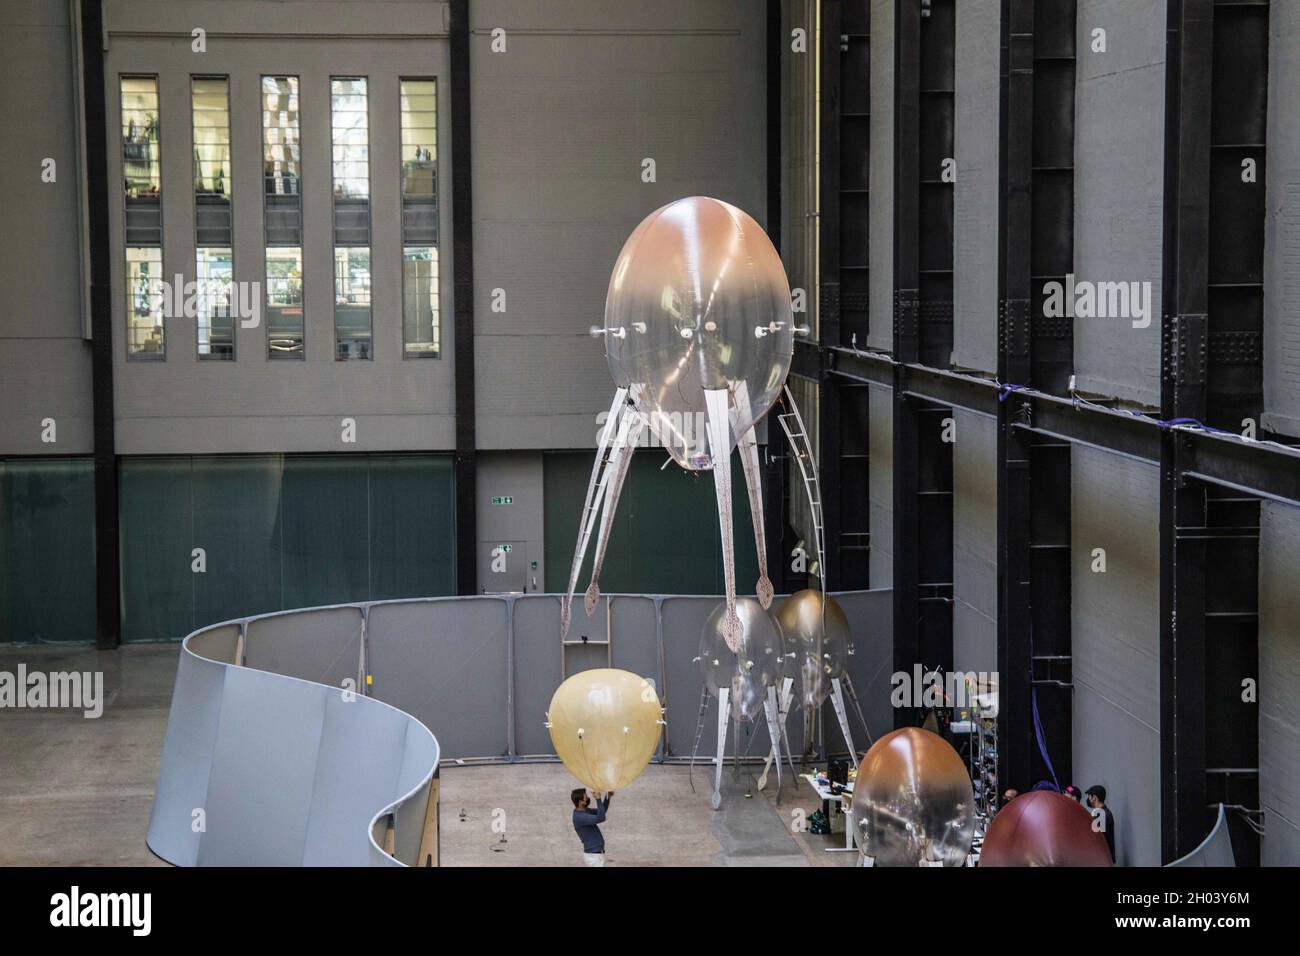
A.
pixel 586 821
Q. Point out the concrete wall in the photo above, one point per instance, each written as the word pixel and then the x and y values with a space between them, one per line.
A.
pixel 880 334
pixel 1279 673
pixel 1115 630
pixel 562 122
pixel 1282 225
pixel 254 404
pixel 974 543
pixel 880 467
pixel 975 193
pixel 44 361
pixel 1118 189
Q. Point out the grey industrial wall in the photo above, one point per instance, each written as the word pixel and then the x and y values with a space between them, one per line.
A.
pixel 974 543
pixel 562 121
pixel 1279 674
pixel 44 360
pixel 1118 189
pixel 254 404
pixel 975 193
pixel 880 332
pixel 1282 225
pixel 1115 631
pixel 880 484
pixel 511 511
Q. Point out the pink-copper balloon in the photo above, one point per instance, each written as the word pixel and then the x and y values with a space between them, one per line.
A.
pixel 1042 828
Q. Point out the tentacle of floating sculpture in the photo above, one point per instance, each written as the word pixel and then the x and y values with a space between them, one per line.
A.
pixel 747 444
pixel 716 400
pixel 592 504
pixel 615 474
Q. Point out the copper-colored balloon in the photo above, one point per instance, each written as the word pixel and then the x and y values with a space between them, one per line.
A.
pixel 1043 828
pixel 913 802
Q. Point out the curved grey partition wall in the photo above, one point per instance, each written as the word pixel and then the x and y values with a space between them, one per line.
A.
pixel 268 769
pixel 271 759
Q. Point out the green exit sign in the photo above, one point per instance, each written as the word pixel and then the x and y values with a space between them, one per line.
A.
pixel 503 499
pixel 506 548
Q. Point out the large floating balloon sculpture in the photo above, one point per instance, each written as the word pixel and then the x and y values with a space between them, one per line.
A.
pixel 913 802
pixel 743 681
pixel 818 645
pixel 698 336
pixel 1043 828
pixel 605 725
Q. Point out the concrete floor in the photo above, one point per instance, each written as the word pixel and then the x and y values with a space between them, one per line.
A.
pixel 76 792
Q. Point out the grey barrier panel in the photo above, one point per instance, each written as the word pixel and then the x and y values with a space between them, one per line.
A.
pixel 285 772
pixel 443 661
pixel 1215 849
pixel 321 645
pixel 367 744
pixel 186 761
pixel 536 670
pixel 636 640
pixel 270 730
pixel 636 643
pixel 217 643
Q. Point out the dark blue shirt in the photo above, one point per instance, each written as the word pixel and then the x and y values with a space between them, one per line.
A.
pixel 585 822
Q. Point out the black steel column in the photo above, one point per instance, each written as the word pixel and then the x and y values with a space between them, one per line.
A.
pixel 1015 620
pixel 1188 73
pixel 774 461
pixel 108 619
pixel 828 310
pixel 462 236
pixel 907 95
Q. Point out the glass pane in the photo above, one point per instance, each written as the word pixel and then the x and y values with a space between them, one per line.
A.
pixel 350 134
pixel 412 504
pixel 156 542
pixel 419 109
pixel 141 137
pixel 323 530
pixel 284 315
pixel 47 550
pixel 214 272
pixel 281 158
pixel 144 303
pixel 210 106
pixel 352 303
pixel 420 325
pixel 236 512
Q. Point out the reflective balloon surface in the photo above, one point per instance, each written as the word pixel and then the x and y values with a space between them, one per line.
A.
pixel 698 299
pixel 817 656
pixel 913 802
pixel 1042 828
pixel 748 672
pixel 605 726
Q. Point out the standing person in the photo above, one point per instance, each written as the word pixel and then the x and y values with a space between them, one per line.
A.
pixel 1101 812
pixel 586 822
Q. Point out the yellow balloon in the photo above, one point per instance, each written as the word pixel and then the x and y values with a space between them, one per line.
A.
pixel 605 724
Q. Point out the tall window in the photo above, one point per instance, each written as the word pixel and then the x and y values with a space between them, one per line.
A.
pixel 420 312
pixel 213 242
pixel 350 141
pixel 282 209
pixel 142 186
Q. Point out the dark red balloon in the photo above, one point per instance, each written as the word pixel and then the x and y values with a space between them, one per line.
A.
pixel 1042 828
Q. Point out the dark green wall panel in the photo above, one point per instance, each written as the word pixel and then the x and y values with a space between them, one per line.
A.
pixel 47 550
pixel 665 538
pixel 279 532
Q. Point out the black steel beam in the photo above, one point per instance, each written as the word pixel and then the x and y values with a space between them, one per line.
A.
pixel 1253 467
pixel 108 618
pixel 462 218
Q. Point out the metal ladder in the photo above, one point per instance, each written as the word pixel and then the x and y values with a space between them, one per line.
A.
pixel 801 447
